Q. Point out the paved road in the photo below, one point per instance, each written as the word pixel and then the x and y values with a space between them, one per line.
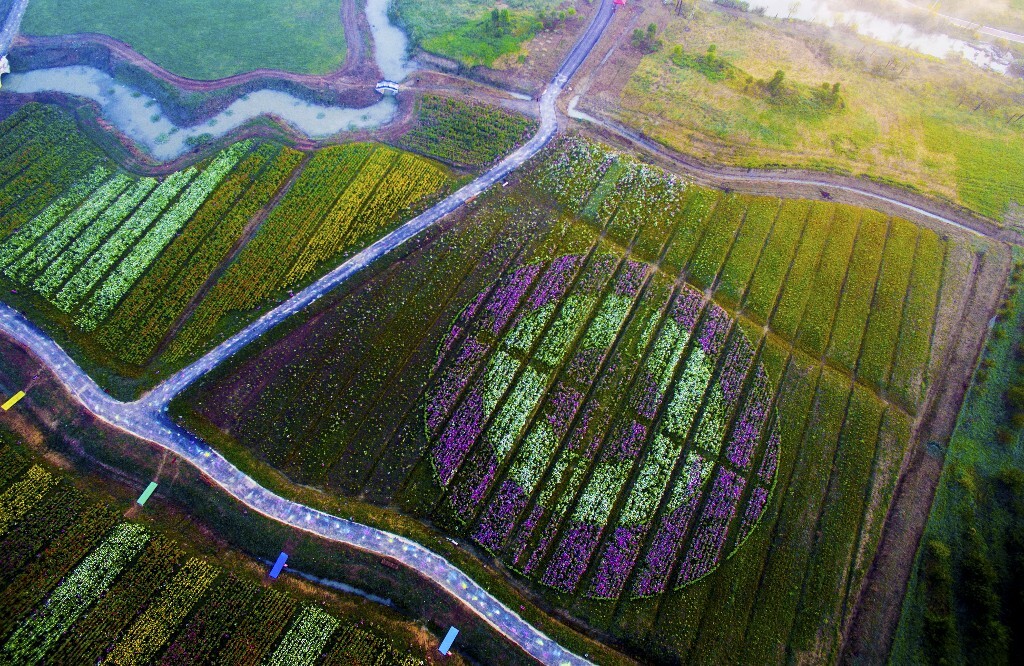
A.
pixel 146 418
pixel 10 25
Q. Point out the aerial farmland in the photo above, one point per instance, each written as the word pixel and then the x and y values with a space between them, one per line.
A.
pixel 546 331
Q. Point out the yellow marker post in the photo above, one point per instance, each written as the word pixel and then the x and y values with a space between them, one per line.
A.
pixel 14 400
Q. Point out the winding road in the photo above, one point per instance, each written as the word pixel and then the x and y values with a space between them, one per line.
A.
pixel 147 417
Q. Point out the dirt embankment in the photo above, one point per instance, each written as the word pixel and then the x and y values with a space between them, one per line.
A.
pixel 876 615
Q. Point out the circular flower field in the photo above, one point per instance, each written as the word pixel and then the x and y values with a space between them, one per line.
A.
pixel 598 435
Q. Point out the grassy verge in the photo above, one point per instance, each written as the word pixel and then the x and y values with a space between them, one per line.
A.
pixel 945 128
pixel 963 603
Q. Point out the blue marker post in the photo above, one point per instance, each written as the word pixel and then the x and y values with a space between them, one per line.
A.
pixel 278 565
pixel 146 493
pixel 446 644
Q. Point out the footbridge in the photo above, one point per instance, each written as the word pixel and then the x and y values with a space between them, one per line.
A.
pixel 386 87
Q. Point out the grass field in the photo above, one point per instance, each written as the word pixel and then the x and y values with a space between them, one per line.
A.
pixel 119 262
pixel 963 604
pixel 458 29
pixel 203 40
pixel 669 469
pixel 946 128
pixel 84 584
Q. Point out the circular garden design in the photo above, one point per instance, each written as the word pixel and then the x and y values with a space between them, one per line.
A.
pixel 598 438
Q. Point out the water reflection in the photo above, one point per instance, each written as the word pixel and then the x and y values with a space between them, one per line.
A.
pixel 871 25
pixel 143 120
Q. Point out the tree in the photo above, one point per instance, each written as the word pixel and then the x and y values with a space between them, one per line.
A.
pixel 647 41
pixel 712 54
pixel 774 85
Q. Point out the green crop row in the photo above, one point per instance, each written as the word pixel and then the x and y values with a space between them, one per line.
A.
pixel 859 291
pixel 796 290
pixel 150 309
pixel 743 259
pixel 719 234
pixel 909 372
pixel 830 278
pixel 84 586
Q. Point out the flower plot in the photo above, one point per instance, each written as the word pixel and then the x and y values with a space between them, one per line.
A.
pixel 582 495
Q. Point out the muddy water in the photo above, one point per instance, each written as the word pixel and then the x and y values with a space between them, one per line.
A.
pixel 871 25
pixel 390 44
pixel 142 119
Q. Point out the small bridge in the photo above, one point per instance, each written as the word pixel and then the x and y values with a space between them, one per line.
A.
pixel 386 87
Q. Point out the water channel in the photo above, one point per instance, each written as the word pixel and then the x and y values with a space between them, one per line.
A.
pixel 141 118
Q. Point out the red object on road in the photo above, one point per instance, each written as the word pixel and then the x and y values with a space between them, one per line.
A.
pixel 620 2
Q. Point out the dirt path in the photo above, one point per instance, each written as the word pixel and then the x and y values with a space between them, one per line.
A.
pixel 877 611
pixel 796 183
pixel 250 230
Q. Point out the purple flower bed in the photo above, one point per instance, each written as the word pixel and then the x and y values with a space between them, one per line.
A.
pixel 500 516
pixel 734 370
pixel 747 432
pixel 452 381
pixel 546 539
pixel 507 297
pixel 459 326
pixel 481 470
pixel 631 278
pixel 664 549
pixel 616 561
pixel 688 307
pixel 770 462
pixel 571 557
pixel 462 431
pixel 583 366
pixel 755 507
pixel 713 330
pixel 627 442
pixel 563 404
pixel 555 282
pixel 713 526
pixel 595 277
pixel 525 534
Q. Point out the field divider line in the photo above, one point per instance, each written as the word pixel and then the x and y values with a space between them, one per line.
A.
pixel 407 359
